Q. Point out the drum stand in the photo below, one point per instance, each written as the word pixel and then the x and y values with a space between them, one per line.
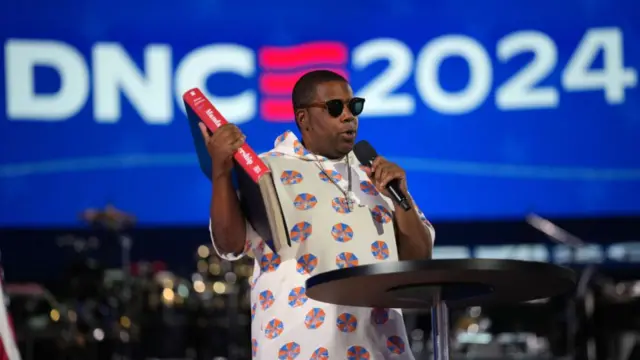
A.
pixel 117 222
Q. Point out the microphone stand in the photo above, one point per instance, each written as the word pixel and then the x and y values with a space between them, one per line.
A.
pixel 561 236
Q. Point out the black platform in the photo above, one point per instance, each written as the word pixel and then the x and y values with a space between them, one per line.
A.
pixel 459 283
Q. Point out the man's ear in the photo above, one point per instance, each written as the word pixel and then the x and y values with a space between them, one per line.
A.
pixel 301 119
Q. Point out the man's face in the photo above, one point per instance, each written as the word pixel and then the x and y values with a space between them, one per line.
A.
pixel 332 136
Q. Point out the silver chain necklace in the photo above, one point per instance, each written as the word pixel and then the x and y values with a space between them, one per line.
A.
pixel 348 195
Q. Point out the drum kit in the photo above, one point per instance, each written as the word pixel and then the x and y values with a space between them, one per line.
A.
pixel 143 310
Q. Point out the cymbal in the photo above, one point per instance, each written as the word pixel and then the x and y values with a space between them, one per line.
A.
pixel 110 217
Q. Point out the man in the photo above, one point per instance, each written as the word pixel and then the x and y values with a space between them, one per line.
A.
pixel 335 208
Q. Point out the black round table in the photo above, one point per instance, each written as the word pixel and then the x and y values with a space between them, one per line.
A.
pixel 440 284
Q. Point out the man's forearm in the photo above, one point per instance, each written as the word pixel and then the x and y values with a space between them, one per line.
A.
pixel 414 238
pixel 227 221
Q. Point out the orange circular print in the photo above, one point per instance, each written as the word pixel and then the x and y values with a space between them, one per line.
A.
pixel 395 344
pixel 379 316
pixel 358 353
pixel 342 232
pixel 314 318
pixel 381 214
pixel 380 250
pixel 347 322
pixel 320 354
pixel 340 205
pixel 289 351
pixel 305 201
pixel 298 296
pixel 266 299
pixel 291 177
pixel 299 148
pixel 368 188
pixel 306 264
pixel 334 176
pixel 273 329
pixel 281 137
pixel 269 262
pixel 300 232
pixel 346 260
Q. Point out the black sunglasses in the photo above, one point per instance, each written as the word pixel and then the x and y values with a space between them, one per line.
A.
pixel 336 106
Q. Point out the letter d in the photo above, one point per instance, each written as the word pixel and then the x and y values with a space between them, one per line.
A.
pixel 21 58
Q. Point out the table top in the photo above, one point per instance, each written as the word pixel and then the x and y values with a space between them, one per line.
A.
pixel 459 282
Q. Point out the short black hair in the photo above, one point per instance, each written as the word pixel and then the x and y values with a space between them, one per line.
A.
pixel 305 88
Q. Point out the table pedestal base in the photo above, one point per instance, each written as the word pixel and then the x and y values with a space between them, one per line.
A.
pixel 440 328
pixel 435 295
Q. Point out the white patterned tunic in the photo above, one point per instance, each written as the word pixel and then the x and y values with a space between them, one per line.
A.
pixel 325 234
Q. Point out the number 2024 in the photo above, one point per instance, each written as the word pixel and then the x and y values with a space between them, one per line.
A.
pixel 519 92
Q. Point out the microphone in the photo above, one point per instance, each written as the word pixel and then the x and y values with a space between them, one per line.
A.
pixel 366 154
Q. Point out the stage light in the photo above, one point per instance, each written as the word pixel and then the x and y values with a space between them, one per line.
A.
pixel 183 290
pixel 214 269
pixel 98 334
pixel 203 251
pixel 219 287
pixel 54 315
pixel 125 322
pixel 168 295
pixel 198 286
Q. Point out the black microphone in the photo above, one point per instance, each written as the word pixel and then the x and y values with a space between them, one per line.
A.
pixel 366 154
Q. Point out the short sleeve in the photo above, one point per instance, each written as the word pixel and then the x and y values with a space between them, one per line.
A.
pixel 425 221
pixel 252 235
pixel 428 224
pixel 252 238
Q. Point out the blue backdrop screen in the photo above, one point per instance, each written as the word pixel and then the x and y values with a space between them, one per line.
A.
pixel 495 109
